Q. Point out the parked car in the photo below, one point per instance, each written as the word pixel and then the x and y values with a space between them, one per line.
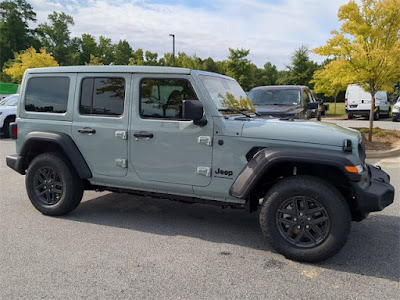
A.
pixel 8 110
pixel 167 133
pixel 396 111
pixel 358 102
pixel 283 101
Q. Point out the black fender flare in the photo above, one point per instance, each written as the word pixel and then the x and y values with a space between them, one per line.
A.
pixel 267 158
pixel 65 142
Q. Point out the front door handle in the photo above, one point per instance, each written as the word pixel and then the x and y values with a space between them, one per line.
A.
pixel 86 130
pixel 143 134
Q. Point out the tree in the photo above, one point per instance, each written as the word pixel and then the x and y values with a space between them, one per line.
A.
pixel 266 76
pixel 331 80
pixel 94 61
pixel 301 69
pixel 368 45
pixel 137 58
pixel 55 37
pixel 239 67
pixel 15 34
pixel 29 59
pixel 123 52
pixel 105 50
pixel 88 48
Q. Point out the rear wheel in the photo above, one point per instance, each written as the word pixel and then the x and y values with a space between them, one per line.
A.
pixel 53 186
pixel 376 115
pixel 305 219
pixel 350 116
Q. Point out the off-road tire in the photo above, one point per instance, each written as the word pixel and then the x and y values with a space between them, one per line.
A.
pixel 52 184
pixel 325 198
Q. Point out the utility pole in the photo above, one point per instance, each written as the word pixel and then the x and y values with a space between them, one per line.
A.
pixel 173 48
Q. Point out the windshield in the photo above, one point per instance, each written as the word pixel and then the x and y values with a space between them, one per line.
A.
pixel 221 90
pixel 9 101
pixel 275 97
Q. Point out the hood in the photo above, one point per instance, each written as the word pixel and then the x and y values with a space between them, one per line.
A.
pixel 8 108
pixel 301 131
pixel 281 110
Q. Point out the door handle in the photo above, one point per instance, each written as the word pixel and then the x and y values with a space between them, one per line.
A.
pixel 143 135
pixel 86 130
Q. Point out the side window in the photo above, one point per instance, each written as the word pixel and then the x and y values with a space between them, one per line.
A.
pixel 306 97
pixel 47 94
pixel 102 96
pixel 162 98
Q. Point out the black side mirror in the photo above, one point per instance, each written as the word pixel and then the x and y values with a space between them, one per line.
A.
pixel 312 105
pixel 193 110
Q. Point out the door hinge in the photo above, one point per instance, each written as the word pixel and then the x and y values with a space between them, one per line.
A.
pixel 205 171
pixel 120 162
pixel 122 134
pixel 206 140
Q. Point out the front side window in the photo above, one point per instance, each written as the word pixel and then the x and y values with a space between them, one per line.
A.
pixel 102 96
pixel 162 98
pixel 306 97
pixel 47 94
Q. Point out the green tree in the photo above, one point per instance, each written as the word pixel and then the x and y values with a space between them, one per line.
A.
pixel 151 58
pixel 368 45
pixel 15 34
pixel 301 69
pixel 137 58
pixel 55 38
pixel 29 59
pixel 105 50
pixel 94 61
pixel 123 53
pixel 240 68
pixel 88 48
pixel 266 76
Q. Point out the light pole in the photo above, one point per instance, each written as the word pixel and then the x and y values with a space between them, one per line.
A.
pixel 173 48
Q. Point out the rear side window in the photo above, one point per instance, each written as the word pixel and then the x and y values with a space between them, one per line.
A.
pixel 47 94
pixel 102 96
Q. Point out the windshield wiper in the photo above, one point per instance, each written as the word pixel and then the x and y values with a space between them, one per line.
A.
pixel 240 111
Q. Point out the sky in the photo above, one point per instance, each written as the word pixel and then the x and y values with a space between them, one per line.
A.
pixel 271 29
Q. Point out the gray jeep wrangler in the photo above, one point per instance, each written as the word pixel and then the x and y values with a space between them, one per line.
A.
pixel 168 133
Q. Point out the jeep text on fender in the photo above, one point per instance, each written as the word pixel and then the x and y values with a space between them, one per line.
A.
pixel 164 132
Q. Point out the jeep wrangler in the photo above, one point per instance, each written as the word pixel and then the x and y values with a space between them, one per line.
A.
pixel 168 133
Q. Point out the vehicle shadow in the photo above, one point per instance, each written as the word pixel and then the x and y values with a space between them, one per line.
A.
pixel 372 249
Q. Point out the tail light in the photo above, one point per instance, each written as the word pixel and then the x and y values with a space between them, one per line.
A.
pixel 345 102
pixel 13 130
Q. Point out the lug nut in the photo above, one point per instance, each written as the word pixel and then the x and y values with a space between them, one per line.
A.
pixel 307 226
pixel 298 226
pixel 295 219
pixel 301 214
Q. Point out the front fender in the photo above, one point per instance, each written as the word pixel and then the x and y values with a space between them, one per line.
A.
pixel 267 158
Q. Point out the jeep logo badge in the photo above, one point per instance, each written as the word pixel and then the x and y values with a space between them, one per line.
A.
pixel 224 172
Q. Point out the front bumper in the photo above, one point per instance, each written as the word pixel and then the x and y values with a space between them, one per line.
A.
pixel 374 192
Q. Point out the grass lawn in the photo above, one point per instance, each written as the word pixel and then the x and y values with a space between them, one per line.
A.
pixel 339 109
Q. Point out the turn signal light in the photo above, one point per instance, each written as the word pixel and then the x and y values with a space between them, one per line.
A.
pixel 354 169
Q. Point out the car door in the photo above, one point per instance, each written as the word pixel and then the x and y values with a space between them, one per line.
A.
pixel 164 147
pixel 100 121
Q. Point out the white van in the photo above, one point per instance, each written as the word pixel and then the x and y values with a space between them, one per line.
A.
pixel 358 102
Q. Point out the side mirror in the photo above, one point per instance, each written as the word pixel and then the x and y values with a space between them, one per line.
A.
pixel 193 110
pixel 312 105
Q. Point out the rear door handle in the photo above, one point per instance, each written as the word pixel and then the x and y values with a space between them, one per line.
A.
pixel 143 135
pixel 86 130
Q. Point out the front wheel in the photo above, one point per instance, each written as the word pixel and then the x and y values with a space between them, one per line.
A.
pixel 305 219
pixel 52 184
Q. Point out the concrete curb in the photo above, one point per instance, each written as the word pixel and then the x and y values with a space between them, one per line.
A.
pixel 383 154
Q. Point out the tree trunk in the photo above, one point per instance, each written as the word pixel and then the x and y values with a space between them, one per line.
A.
pixel 371 116
pixel 334 110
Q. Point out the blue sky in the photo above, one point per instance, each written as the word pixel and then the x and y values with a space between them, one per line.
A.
pixel 271 29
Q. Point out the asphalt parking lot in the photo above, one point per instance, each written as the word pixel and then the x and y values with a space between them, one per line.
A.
pixel 117 246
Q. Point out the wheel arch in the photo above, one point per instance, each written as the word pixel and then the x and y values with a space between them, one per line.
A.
pixel 37 142
pixel 269 166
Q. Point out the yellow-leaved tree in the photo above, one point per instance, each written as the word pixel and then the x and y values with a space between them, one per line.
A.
pixel 331 80
pixel 29 59
pixel 367 46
